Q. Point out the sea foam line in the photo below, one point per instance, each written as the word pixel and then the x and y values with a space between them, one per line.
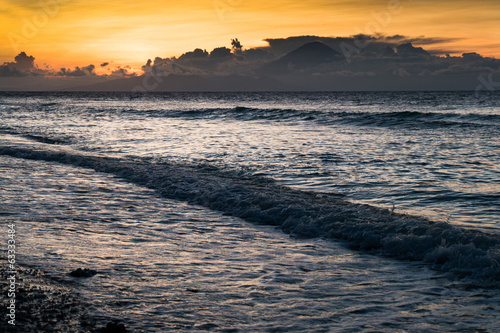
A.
pixel 470 255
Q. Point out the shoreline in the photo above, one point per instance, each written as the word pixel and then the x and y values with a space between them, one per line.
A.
pixel 43 304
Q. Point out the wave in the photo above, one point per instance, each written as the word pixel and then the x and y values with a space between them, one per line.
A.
pixel 236 113
pixel 470 255
pixel 407 119
pixel 416 119
pixel 36 137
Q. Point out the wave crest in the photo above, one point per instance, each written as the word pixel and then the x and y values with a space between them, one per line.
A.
pixel 473 256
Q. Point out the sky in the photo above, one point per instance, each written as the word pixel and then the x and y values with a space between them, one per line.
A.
pixel 69 33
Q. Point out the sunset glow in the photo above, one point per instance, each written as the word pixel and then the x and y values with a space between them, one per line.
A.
pixel 70 33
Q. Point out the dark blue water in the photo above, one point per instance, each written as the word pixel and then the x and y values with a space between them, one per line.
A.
pixel 431 153
pixel 182 203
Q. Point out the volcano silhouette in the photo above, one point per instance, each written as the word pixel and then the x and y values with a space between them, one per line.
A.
pixel 307 56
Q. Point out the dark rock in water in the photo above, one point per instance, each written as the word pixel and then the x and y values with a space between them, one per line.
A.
pixel 85 273
pixel 113 327
pixel 207 327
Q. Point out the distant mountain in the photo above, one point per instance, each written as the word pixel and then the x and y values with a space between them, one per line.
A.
pixel 190 83
pixel 307 56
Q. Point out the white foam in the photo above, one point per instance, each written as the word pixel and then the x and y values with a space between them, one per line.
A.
pixel 471 255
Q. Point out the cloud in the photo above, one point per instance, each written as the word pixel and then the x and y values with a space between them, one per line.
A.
pixel 23 65
pixel 221 53
pixel 123 71
pixel 194 55
pixel 83 71
pixel 196 62
pixel 422 40
pixel 336 63
pixel 6 71
pixel 408 50
pixel 173 66
pixel 24 61
pixel 359 62
pixel 361 42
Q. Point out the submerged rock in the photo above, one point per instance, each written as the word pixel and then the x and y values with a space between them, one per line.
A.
pixel 114 327
pixel 85 273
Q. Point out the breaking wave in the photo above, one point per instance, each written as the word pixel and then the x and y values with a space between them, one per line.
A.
pixel 470 255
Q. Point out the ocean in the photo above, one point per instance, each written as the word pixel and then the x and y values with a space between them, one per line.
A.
pixel 261 212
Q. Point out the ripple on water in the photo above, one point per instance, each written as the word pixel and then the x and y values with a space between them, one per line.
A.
pixel 167 265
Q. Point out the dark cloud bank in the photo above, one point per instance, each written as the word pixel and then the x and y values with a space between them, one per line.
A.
pixel 24 66
pixel 296 63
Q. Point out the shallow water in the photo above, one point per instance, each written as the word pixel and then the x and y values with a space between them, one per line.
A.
pixel 163 264
pixel 157 193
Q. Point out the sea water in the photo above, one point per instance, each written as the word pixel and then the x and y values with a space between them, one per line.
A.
pixel 180 200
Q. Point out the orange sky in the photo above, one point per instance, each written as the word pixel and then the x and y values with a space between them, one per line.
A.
pixel 127 32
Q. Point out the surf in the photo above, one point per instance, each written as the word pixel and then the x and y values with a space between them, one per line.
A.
pixel 472 256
